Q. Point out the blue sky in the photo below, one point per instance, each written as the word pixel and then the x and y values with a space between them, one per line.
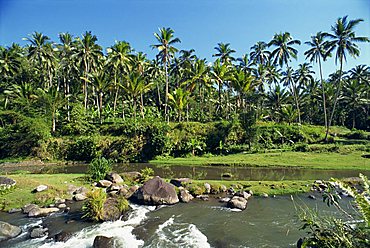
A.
pixel 200 24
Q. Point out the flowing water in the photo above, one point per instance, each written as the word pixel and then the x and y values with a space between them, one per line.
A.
pixel 267 222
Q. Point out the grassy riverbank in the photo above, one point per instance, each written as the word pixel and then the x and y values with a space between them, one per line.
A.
pixel 352 160
pixel 22 194
pixel 58 185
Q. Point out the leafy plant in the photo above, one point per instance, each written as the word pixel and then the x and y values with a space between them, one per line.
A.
pixel 93 208
pixel 98 168
pixel 146 174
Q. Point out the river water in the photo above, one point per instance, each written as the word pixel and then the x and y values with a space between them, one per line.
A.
pixel 267 222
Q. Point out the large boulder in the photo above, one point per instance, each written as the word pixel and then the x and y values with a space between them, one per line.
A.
pixel 8 231
pixel 238 202
pixel 114 178
pixel 63 236
pixel 38 232
pixel 157 192
pixel 6 182
pixel 41 212
pixel 79 197
pixel 111 212
pixel 103 242
pixel 132 175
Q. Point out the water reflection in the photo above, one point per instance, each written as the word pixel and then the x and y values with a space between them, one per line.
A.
pixel 204 172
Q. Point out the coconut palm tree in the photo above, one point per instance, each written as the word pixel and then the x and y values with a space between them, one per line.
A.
pixel 276 98
pixel 282 54
pixel 243 83
pixel 289 79
pixel 166 40
pixel 259 54
pixel 354 98
pixel 220 73
pixel 88 52
pixel 224 53
pixel 317 52
pixel 343 41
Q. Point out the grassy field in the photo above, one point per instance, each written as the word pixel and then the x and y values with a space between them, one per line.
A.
pixel 350 160
pixel 22 193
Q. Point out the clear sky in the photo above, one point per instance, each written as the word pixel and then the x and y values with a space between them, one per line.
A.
pixel 200 24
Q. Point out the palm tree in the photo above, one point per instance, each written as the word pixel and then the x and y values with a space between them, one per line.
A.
pixel 40 52
pixel 343 40
pixel 224 53
pixel 119 58
pixel 243 83
pixel 315 54
pixel 166 50
pixel 220 72
pixel 179 99
pixel 276 98
pixel 281 55
pixel 259 54
pixel 354 97
pixel 289 80
pixel 89 53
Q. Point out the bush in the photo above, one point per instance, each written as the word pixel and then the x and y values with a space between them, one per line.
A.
pixel 98 168
pixel 93 208
pixel 83 149
pixel 146 174
pixel 21 136
pixel 196 189
pixel 358 134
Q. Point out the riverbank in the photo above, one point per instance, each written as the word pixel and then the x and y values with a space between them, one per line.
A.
pixel 351 160
pixel 22 193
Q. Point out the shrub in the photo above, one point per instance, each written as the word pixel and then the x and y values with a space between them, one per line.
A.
pixel 122 204
pixel 21 136
pixel 358 134
pixel 98 168
pixel 93 208
pixel 196 189
pixel 83 149
pixel 146 174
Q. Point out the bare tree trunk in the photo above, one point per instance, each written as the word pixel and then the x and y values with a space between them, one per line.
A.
pixel 166 96
pixel 324 100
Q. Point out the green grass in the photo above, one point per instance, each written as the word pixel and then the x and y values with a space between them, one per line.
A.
pixel 349 160
pixel 268 187
pixel 22 193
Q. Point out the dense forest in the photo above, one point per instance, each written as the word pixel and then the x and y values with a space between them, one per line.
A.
pixel 73 87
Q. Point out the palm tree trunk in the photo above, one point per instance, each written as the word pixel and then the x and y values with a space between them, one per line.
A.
pixel 101 107
pixel 336 97
pixel 166 96
pixel 142 105
pixel 159 97
pixel 324 100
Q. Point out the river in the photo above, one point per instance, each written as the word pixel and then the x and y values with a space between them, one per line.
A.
pixel 267 222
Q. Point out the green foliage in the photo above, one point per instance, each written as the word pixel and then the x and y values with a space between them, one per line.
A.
pixel 122 204
pixel 83 149
pixel 196 189
pixel 248 123
pixel 78 124
pixel 333 232
pixel 93 207
pixel 146 174
pixel 358 134
pixel 21 136
pixel 98 168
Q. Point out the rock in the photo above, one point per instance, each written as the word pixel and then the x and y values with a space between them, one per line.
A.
pixel 114 187
pixel 203 197
pixel 231 191
pixel 6 182
pixel 243 194
pixel 40 212
pixel 103 242
pixel 81 190
pixel 114 178
pixel 27 208
pixel 71 189
pixel 312 197
pixel 156 191
pixel 40 188
pixel 14 210
pixel 62 205
pixel 59 200
pixel 238 202
pixel 318 182
pixel 178 182
pixel 265 195
pixel 223 188
pixel 79 197
pixel 128 192
pixel 132 175
pixel 110 210
pixel 323 186
pixel 224 200
pixel 185 196
pixel 8 231
pixel 38 232
pixel 207 186
pixel 62 236
pixel 104 183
